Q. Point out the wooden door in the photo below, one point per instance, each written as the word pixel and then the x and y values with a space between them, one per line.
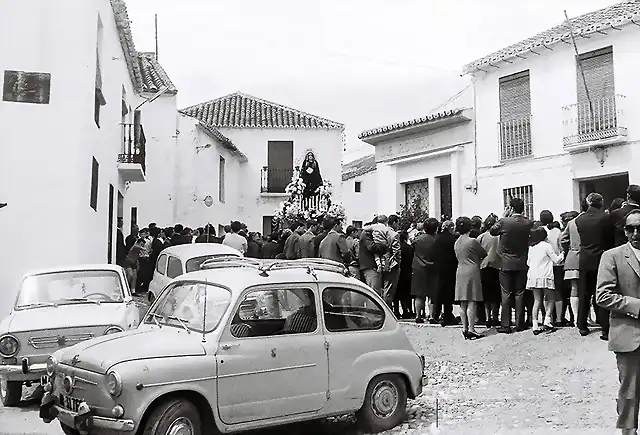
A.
pixel 280 165
pixel 110 224
pixel 446 197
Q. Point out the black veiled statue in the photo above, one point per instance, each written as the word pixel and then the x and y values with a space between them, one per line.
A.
pixel 310 174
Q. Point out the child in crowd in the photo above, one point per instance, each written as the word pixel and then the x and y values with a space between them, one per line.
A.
pixel 382 235
pixel 542 257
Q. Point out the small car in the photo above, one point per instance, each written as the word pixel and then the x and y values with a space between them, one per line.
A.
pixel 56 308
pixel 312 342
pixel 177 260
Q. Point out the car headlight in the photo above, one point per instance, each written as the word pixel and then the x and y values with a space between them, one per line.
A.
pixel 9 346
pixel 52 365
pixel 113 330
pixel 114 384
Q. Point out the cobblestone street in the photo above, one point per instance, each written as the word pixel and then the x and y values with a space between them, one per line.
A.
pixel 506 385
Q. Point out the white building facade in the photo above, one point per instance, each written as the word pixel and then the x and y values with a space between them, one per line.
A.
pixel 428 160
pixel 70 136
pixel 359 190
pixel 552 127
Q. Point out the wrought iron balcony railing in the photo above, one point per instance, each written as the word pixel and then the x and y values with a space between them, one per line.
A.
pixel 602 119
pixel 275 180
pixel 515 138
pixel 134 145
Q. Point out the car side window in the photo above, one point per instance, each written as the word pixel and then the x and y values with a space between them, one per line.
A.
pixel 175 268
pixel 161 267
pixel 264 313
pixel 350 310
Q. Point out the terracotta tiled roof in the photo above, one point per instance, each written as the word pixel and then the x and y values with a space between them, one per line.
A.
pixel 154 77
pixel 359 167
pixel 225 141
pixel 240 110
pixel 410 123
pixel 126 41
pixel 614 16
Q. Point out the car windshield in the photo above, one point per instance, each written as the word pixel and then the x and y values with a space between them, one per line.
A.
pixel 70 287
pixel 183 305
pixel 194 264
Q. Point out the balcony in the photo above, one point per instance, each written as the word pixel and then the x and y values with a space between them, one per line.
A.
pixel 274 181
pixel 598 124
pixel 515 138
pixel 132 161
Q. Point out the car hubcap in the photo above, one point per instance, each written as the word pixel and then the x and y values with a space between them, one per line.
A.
pixel 384 399
pixel 181 426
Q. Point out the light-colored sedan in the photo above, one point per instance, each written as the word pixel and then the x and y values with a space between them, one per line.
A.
pixel 180 259
pixel 56 308
pixel 240 346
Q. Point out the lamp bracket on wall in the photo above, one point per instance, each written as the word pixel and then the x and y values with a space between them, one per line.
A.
pixel 601 155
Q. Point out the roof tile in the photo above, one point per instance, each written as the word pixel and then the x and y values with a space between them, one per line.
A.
pixel 359 167
pixel 154 77
pixel 400 125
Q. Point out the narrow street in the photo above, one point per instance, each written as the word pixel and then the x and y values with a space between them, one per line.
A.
pixel 492 386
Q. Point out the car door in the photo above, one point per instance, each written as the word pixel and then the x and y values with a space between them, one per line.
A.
pixel 271 357
pixel 132 309
pixel 159 280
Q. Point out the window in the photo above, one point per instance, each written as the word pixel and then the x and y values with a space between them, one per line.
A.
pixel 93 202
pixel 515 116
pixel 112 206
pixel 265 313
pixel 525 193
pixel 193 264
pixel 221 180
pixel 162 264
pixel 357 224
pixel 596 113
pixel 175 268
pixel 416 194
pixel 134 218
pixel 279 170
pixel 350 310
pixel 267 225
pixel 358 186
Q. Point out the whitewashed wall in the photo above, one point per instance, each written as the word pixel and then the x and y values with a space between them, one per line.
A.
pixel 360 206
pixel 326 144
pixel 46 150
pixel 553 85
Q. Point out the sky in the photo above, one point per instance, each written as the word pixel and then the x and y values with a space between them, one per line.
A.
pixel 364 63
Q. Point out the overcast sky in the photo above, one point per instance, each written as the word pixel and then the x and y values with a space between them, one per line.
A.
pixel 364 63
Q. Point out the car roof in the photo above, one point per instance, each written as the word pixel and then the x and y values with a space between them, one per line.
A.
pixel 239 278
pixel 191 250
pixel 74 267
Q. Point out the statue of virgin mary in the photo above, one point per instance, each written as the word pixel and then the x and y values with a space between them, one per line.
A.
pixel 310 174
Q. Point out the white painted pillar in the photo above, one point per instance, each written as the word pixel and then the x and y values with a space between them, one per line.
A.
pixel 387 201
pixel 433 198
pixel 457 192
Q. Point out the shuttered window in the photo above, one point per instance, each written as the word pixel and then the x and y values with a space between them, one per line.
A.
pixel 525 193
pixel 600 113
pixel 515 116
pixel 93 201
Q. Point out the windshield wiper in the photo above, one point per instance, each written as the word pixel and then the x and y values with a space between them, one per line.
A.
pixel 81 300
pixel 183 322
pixel 155 316
pixel 38 304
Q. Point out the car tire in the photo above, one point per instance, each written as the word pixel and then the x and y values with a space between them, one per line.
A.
pixel 169 416
pixel 10 392
pixel 385 404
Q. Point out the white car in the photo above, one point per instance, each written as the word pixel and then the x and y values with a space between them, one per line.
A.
pixel 57 308
pixel 180 259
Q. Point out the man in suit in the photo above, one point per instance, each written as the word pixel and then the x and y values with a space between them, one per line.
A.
pixel 618 291
pixel 367 249
pixel 513 249
pixel 292 244
pixel 307 247
pixel 596 236
pixel 334 245
pixel 618 217
pixel 121 247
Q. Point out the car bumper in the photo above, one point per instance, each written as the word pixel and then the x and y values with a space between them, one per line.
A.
pixel 23 369
pixel 82 421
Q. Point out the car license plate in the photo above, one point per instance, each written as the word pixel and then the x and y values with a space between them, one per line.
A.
pixel 70 403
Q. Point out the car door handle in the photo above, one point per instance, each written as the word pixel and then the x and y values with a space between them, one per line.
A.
pixel 228 346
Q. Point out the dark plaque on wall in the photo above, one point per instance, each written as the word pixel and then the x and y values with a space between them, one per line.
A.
pixel 26 87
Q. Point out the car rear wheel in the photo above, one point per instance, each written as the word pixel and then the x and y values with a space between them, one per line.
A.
pixel 10 392
pixel 385 404
pixel 174 417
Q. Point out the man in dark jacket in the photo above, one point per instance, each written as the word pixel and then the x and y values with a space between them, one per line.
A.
pixel 596 236
pixel 366 251
pixel 121 248
pixel 513 229
pixel 618 217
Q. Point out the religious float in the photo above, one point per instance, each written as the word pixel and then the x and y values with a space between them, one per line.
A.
pixel 309 196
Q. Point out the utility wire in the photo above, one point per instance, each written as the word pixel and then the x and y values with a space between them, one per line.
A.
pixel 452 98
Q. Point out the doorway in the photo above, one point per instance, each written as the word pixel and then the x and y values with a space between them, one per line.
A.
pixel 110 224
pixel 610 187
pixel 446 197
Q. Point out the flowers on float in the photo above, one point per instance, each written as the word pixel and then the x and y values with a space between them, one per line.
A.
pixel 293 210
pixel 336 211
pixel 325 190
pixel 295 187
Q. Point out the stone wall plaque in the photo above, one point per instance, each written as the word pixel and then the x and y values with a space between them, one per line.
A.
pixel 26 87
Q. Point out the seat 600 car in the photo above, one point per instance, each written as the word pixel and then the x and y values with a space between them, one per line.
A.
pixel 56 308
pixel 240 345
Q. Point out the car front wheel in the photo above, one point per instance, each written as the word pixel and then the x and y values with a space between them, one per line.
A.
pixel 385 404
pixel 10 392
pixel 174 417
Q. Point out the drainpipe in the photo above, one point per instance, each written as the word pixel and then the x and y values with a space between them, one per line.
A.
pixel 474 183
